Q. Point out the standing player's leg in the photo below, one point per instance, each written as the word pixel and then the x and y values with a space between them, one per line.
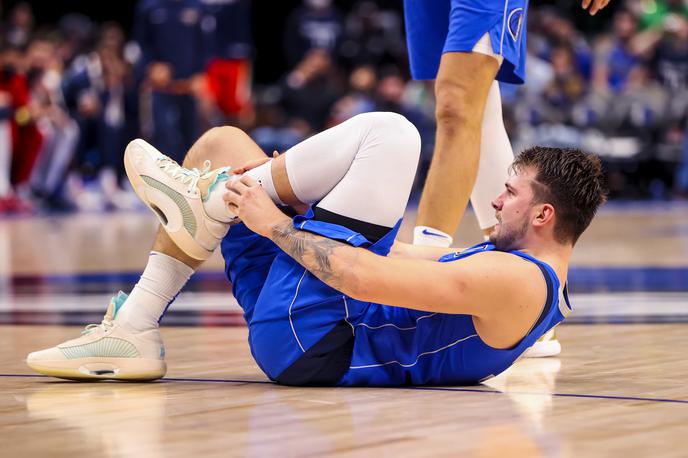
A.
pixel 439 33
pixel 461 89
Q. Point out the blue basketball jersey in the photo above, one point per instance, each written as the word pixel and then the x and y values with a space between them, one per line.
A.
pixel 303 332
pixel 397 346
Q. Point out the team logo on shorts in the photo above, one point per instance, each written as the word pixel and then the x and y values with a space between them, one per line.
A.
pixel 514 23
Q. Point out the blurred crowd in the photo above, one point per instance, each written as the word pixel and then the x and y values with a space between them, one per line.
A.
pixel 74 93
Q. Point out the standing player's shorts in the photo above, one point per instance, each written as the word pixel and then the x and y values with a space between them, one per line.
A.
pixel 434 27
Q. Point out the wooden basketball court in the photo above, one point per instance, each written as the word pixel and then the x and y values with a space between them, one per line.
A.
pixel 618 388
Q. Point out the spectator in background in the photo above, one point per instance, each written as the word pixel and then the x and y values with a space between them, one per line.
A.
pixel 274 131
pixel 20 25
pixel 76 32
pixel 560 31
pixel 99 89
pixel 566 88
pixel 539 71
pixel 7 81
pixel 667 31
pixel 360 98
pixel 171 41
pixel 226 27
pixel 199 53
pixel 24 139
pixel 59 131
pixel 372 36
pixel 641 107
pixel 654 14
pixel 615 55
pixel 310 90
pixel 317 24
pixel 118 120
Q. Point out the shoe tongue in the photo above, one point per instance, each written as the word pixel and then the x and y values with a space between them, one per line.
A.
pixel 116 303
pixel 221 175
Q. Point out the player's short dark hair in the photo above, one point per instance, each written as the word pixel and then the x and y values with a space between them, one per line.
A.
pixel 569 179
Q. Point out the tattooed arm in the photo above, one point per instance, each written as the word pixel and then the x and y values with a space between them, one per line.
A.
pixel 480 285
pixel 333 262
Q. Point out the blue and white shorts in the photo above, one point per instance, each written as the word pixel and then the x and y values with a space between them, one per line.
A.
pixel 434 27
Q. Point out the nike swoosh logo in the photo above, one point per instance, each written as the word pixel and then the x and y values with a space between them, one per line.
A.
pixel 188 217
pixel 434 234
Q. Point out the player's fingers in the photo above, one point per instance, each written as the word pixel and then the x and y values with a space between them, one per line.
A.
pixel 233 208
pixel 250 165
pixel 249 181
pixel 585 4
pixel 275 153
pixel 237 186
pixel 598 5
pixel 230 197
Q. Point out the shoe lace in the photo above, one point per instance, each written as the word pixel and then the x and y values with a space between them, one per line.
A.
pixel 182 174
pixel 106 325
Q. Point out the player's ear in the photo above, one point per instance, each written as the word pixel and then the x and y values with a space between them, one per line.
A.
pixel 545 214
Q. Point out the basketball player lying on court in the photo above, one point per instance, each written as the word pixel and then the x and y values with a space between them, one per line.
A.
pixel 325 300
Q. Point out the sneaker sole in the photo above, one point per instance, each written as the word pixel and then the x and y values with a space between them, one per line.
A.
pixel 180 237
pixel 102 369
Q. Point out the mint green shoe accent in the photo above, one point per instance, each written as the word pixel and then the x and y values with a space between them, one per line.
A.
pixel 219 178
pixel 109 347
pixel 118 302
pixel 187 214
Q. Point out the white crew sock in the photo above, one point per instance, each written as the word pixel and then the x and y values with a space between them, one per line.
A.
pixel 159 284
pixel 263 175
pixel 215 205
pixel 429 236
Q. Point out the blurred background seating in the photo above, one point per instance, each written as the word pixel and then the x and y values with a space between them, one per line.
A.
pixel 74 91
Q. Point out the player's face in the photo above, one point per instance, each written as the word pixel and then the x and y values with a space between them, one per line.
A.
pixel 513 211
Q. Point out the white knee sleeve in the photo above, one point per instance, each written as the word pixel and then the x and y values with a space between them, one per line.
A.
pixel 496 155
pixel 363 168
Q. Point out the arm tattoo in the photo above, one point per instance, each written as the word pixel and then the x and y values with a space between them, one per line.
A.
pixel 325 258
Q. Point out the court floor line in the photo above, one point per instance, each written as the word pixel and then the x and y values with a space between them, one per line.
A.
pixel 583 279
pixel 422 388
pixel 185 318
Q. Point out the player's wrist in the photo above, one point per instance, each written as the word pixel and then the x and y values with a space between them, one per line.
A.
pixel 275 224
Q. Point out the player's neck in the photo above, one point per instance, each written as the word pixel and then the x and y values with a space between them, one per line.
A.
pixel 555 254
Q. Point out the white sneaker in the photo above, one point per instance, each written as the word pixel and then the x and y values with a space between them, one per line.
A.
pixel 105 351
pixel 545 346
pixel 173 193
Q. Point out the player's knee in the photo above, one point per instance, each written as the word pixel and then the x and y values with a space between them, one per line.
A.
pixel 407 137
pixel 213 142
pixel 456 105
pixel 217 138
pixel 395 129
